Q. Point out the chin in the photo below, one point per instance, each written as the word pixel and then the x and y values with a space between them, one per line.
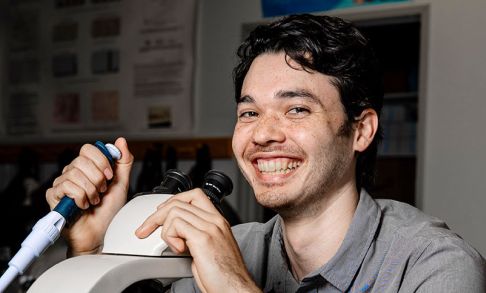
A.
pixel 286 210
pixel 273 200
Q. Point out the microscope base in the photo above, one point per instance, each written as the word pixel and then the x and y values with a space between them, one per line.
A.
pixel 110 273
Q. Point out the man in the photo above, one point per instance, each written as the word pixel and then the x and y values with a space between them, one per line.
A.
pixel 308 95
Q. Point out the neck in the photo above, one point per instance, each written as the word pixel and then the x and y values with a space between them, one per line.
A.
pixel 311 241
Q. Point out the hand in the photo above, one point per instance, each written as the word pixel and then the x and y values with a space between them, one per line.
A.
pixel 190 222
pixel 84 180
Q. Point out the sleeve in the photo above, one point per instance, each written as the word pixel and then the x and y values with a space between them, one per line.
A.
pixel 447 264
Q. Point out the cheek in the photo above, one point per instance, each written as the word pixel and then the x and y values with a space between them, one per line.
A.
pixel 309 136
pixel 315 139
pixel 239 141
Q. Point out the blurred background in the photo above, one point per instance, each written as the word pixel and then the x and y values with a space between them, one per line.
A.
pixel 159 73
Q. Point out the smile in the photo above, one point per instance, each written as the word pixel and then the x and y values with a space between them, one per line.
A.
pixel 277 166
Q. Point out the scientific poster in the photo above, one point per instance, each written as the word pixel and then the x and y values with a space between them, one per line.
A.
pixel 21 106
pixel 80 67
pixel 161 71
pixel 23 117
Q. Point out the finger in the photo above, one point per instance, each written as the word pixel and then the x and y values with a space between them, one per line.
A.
pixel 176 245
pixel 176 208
pixel 86 175
pixel 211 224
pixel 210 228
pixel 93 154
pixel 67 188
pixel 90 170
pixel 155 220
pixel 126 160
pixel 194 197
pixel 180 233
pixel 126 156
pixel 54 194
pixel 122 167
pixel 51 198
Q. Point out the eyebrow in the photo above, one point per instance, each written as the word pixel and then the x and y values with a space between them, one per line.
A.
pixel 285 94
pixel 298 93
pixel 245 99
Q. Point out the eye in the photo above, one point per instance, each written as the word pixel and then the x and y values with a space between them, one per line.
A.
pixel 298 111
pixel 247 115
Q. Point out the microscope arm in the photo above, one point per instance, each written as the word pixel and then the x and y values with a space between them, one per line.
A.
pixel 127 259
pixel 109 273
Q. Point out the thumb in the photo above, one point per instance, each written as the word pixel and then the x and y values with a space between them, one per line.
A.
pixel 124 164
pixel 126 156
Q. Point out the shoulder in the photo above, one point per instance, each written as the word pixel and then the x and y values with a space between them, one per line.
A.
pixel 403 220
pixel 415 229
pixel 439 260
pixel 447 264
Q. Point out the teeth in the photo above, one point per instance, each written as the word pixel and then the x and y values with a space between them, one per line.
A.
pixel 277 166
pixel 285 165
pixel 271 166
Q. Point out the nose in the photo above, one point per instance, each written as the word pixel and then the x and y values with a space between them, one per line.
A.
pixel 268 130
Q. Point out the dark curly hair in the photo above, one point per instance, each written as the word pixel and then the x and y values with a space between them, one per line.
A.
pixel 331 46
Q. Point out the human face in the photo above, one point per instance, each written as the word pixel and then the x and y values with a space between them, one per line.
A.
pixel 289 140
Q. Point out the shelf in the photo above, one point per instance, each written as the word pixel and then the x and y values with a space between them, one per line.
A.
pixel 220 148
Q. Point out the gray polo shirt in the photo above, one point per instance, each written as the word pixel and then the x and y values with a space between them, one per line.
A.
pixel 389 247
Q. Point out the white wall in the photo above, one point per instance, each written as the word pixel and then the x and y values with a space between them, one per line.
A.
pixel 452 159
pixel 219 36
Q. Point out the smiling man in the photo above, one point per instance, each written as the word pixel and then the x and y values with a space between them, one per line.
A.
pixel 309 92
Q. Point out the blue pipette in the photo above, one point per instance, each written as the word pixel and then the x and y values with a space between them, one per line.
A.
pixel 47 230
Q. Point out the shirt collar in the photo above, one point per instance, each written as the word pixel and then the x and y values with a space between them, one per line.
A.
pixel 279 277
pixel 341 270
pixel 343 266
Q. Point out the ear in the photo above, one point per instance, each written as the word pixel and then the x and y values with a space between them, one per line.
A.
pixel 365 129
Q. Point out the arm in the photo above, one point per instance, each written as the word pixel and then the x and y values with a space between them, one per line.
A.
pixel 191 223
pixel 84 180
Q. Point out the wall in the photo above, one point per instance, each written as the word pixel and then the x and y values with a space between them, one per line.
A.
pixel 454 163
pixel 451 164
pixel 219 35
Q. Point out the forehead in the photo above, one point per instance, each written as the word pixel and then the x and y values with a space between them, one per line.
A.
pixel 272 73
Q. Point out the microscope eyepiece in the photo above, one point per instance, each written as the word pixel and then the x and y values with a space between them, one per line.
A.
pixel 216 185
pixel 174 182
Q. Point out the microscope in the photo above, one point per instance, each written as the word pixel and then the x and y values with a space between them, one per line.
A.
pixel 125 258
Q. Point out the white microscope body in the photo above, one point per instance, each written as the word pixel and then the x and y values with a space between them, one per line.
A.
pixel 125 258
